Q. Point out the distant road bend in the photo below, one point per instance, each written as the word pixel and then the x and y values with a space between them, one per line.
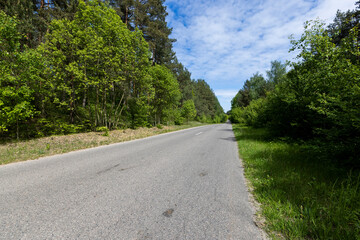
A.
pixel 181 185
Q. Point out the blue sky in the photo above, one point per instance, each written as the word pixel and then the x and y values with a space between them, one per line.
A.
pixel 226 41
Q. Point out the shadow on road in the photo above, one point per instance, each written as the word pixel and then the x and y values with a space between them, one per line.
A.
pixel 232 139
pixel 225 130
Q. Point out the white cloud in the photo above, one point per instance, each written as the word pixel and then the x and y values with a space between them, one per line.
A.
pixel 225 96
pixel 226 41
pixel 225 93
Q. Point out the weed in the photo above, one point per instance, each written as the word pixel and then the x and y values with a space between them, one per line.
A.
pixel 302 194
pixel 103 129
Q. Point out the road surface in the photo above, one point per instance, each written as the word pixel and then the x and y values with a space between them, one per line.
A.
pixel 181 185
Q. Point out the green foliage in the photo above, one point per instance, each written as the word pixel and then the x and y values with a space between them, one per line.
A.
pixel 275 75
pixel 302 193
pixel 183 77
pixel 167 93
pixel 254 88
pixel 103 129
pixel 343 24
pixel 18 79
pixel 320 98
pixel 224 118
pixel 149 17
pixel 253 115
pixel 96 63
pixel 188 110
pixel 317 99
pixel 206 103
pixel 91 71
pixel 237 115
pixel 220 118
pixel 202 118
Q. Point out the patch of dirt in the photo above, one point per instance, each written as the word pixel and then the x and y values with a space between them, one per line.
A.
pixel 168 213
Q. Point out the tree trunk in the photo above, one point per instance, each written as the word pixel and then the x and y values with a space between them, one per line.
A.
pixel 97 106
pixel 84 99
pixel 126 16
pixel 17 128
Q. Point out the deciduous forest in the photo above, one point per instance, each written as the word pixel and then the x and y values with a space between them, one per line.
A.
pixel 316 98
pixel 71 66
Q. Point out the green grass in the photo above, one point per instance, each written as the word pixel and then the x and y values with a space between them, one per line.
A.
pixel 17 151
pixel 302 194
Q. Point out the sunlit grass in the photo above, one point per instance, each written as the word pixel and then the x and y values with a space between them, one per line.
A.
pixel 302 195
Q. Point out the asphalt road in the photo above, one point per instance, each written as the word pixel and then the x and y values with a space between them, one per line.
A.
pixel 181 185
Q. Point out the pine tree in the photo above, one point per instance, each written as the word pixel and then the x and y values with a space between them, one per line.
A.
pixel 23 10
pixel 157 32
pixel 149 16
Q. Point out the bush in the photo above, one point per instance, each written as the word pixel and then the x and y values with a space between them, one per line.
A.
pixel 202 118
pixel 254 114
pixel 224 118
pixel 188 110
pixel 237 115
pixel 103 129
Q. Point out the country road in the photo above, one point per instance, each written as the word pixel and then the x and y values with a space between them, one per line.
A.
pixel 180 185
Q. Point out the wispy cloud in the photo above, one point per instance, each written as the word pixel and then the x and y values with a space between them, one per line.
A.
pixel 226 41
pixel 225 93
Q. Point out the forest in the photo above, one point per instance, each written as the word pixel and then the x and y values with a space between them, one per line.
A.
pixel 70 66
pixel 315 99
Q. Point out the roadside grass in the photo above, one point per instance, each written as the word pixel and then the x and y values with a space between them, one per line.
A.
pixel 17 151
pixel 302 195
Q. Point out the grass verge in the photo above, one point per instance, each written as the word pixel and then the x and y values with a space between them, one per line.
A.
pixel 302 195
pixel 47 146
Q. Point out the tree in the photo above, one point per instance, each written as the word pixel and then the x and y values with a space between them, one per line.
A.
pixel 206 103
pixel 96 65
pixel 320 97
pixel 29 23
pixel 183 77
pixel 17 77
pixel 253 89
pixel 124 8
pixel 188 110
pixel 167 94
pixel 342 25
pixel 72 65
pixel 149 16
pixel 275 75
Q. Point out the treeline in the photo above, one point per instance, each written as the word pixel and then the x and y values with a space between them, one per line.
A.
pixel 71 66
pixel 318 99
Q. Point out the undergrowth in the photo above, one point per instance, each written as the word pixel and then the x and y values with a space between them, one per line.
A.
pixel 303 195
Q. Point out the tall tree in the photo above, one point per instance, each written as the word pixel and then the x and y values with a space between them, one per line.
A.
pixel 206 103
pixel 96 65
pixel 184 78
pixel 343 23
pixel 253 89
pixel 150 17
pixel 167 94
pixel 125 9
pixel 29 23
pixel 35 16
pixel 188 110
pixel 320 97
pixel 276 74
pixel 18 80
